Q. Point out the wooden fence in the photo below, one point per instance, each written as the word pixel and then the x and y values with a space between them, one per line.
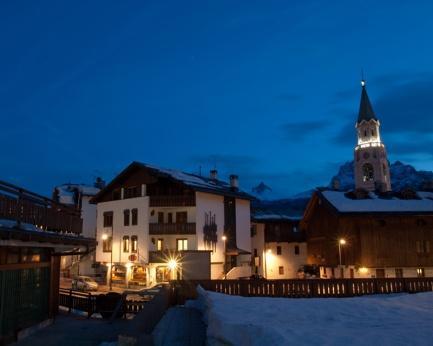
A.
pixel 23 206
pixel 299 288
pixel 86 302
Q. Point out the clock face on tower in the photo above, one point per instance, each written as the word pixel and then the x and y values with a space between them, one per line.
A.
pixel 366 155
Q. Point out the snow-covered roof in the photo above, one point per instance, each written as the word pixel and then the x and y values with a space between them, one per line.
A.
pixel 377 204
pixel 66 192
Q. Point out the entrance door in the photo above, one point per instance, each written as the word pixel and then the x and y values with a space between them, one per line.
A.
pixel 162 274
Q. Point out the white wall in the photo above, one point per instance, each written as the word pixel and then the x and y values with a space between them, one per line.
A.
pixel 258 242
pixel 88 214
pixel 154 218
pixel 288 260
pixel 141 230
pixel 206 202
pixel 243 224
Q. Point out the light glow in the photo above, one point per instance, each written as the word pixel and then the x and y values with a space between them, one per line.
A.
pixel 363 270
pixel 363 83
pixel 342 241
pixel 269 251
pixel 172 264
pixel 104 236
pixel 224 238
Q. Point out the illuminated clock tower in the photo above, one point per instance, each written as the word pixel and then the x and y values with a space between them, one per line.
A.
pixel 371 162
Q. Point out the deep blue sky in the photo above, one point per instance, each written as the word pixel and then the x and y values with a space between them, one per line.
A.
pixel 265 89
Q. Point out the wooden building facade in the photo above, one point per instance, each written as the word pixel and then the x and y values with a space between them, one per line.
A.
pixel 349 235
pixel 34 232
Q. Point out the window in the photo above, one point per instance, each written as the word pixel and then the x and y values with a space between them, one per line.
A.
pixel 297 250
pixel 398 272
pixel 134 220
pixel 126 217
pixel 253 230
pixel 160 217
pixel 278 250
pixel 160 245
pixel 255 252
pixel 134 243
pixel 131 192
pixel 420 272
pixel 281 270
pixel 108 219
pixel 170 217
pixel 423 246
pixel 126 243
pixel 367 172
pixel 181 217
pixel 106 244
pixel 182 244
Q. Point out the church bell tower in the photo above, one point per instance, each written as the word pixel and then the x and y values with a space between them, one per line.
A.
pixel 371 162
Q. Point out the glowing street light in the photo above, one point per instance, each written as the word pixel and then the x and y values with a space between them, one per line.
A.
pixel 340 243
pixel 172 264
pixel 104 236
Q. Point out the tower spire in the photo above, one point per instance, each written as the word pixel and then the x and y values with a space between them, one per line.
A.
pixel 366 112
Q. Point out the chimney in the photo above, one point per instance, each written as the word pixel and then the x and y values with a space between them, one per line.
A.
pixel 234 182
pixel 214 174
pixel 99 183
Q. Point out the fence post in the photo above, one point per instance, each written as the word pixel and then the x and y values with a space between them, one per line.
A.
pixel 70 300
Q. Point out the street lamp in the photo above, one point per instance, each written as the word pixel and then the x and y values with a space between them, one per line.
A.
pixel 224 239
pixel 340 243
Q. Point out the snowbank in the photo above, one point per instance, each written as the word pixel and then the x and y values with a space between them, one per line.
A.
pixel 381 320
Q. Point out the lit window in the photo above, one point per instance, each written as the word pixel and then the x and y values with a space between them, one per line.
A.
pixel 106 244
pixel 134 243
pixel 182 244
pixel 420 272
pixel 159 244
pixel 126 243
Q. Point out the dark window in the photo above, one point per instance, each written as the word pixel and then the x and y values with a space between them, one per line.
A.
pixel 278 250
pixel 170 217
pixel 134 243
pixel 134 220
pixel 106 244
pixel 368 172
pixel 398 272
pixel 423 246
pixel 253 230
pixel 255 252
pixel 181 217
pixel 160 217
pixel 380 273
pixel 116 194
pixel 230 221
pixel 126 217
pixel 296 249
pixel 131 192
pixel 108 219
pixel 126 243
pixel 281 270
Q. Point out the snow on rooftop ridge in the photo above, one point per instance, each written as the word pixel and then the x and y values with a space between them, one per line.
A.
pixel 345 204
pixel 276 217
pixel 69 189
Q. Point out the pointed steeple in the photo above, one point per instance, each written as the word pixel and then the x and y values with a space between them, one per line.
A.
pixel 365 109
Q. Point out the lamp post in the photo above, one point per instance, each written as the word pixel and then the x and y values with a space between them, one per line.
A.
pixel 340 243
pixel 224 239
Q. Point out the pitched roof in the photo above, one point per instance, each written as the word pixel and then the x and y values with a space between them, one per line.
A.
pixel 274 211
pixel 343 203
pixel 365 109
pixel 195 182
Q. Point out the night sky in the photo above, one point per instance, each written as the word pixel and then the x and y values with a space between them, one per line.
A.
pixel 265 89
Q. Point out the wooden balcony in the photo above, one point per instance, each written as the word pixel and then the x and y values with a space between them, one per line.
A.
pixel 26 207
pixel 172 228
pixel 172 201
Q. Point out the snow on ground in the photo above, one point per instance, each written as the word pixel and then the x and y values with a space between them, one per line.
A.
pixel 404 319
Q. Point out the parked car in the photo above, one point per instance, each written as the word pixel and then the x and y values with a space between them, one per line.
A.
pixel 84 283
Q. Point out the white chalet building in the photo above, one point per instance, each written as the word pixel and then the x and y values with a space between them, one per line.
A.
pixel 156 224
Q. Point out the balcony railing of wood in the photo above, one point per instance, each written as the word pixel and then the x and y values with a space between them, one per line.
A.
pixel 299 288
pixel 172 228
pixel 25 207
pixel 172 201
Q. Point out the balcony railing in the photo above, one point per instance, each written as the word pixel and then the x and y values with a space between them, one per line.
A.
pixel 172 201
pixel 172 228
pixel 26 207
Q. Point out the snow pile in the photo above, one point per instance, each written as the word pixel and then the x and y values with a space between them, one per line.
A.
pixel 378 320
